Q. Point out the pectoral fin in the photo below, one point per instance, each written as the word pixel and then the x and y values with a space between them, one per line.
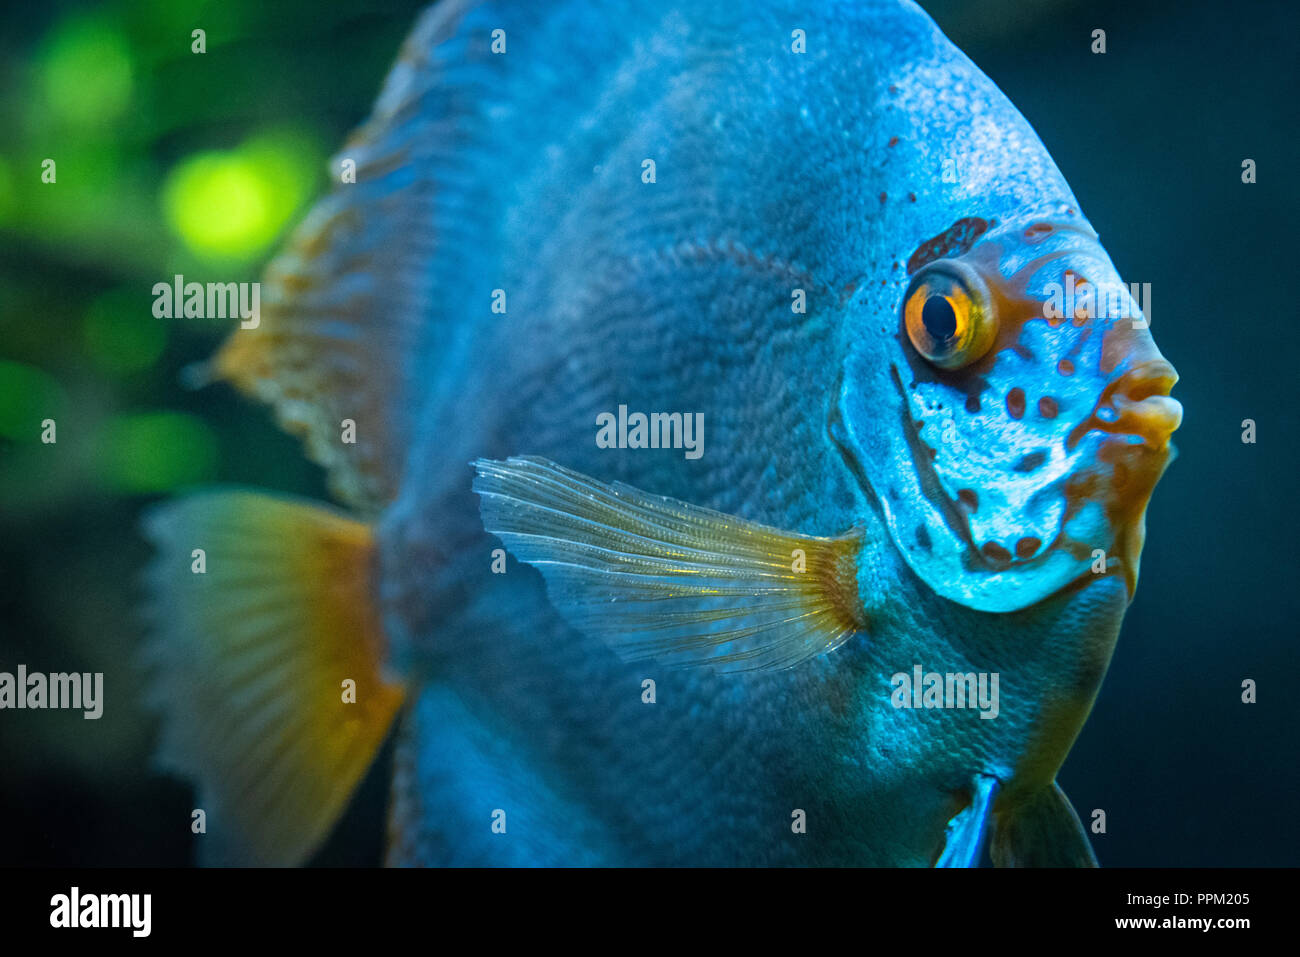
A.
pixel 1044 831
pixel 657 578
pixel 966 831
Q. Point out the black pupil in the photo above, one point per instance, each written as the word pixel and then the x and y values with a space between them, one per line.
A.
pixel 939 319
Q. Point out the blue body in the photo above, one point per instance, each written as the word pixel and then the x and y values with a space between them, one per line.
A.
pixel 774 170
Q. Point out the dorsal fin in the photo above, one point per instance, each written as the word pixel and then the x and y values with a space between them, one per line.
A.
pixel 346 306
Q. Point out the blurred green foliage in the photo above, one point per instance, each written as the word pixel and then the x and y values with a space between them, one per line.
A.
pixel 165 161
pixel 131 158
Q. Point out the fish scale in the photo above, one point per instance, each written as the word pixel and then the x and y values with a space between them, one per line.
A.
pixel 856 513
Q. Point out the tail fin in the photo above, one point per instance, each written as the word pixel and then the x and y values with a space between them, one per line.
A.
pixel 253 642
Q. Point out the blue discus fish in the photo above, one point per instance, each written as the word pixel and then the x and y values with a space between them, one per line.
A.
pixel 816 424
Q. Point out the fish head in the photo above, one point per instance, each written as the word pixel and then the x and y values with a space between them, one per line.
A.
pixel 1014 415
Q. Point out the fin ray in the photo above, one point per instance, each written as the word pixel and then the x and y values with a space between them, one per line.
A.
pixel 964 839
pixel 348 303
pixel 658 578
pixel 247 662
pixel 1044 831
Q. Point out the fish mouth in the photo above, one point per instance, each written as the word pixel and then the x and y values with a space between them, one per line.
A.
pixel 1138 404
pixel 1139 417
pixel 1136 418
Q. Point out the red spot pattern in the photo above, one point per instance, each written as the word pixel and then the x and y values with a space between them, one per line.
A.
pixel 955 240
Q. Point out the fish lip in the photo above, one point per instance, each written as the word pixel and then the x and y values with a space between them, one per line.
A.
pixel 1138 405
pixel 1158 417
pixel 1155 376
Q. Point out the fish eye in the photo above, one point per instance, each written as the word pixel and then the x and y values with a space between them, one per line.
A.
pixel 949 315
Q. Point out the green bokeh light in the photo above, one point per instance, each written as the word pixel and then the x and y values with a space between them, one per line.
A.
pixel 156 451
pixel 120 333
pixel 233 205
pixel 219 205
pixel 87 74
pixel 27 397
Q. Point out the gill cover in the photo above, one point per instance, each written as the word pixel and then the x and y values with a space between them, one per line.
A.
pixel 921 518
pixel 903 424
